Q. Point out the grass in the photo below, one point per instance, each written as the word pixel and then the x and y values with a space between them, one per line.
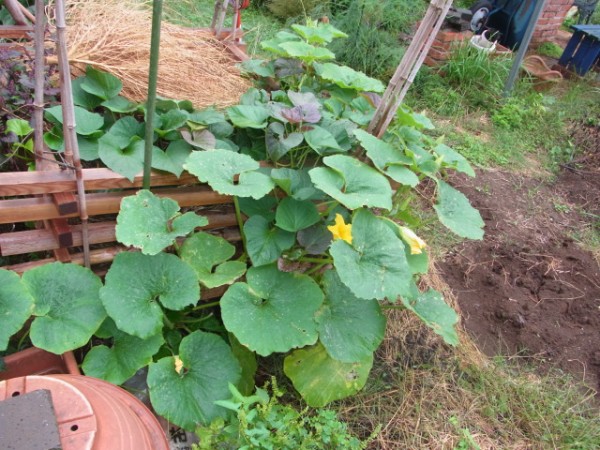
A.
pixel 257 23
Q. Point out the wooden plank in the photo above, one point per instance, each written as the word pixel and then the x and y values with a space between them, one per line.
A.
pixel 62 233
pixel 48 182
pixel 97 256
pixel 62 255
pixel 39 208
pixel 30 241
pixel 66 203
pixel 15 31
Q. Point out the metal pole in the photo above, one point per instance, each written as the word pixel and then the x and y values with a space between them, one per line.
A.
pixel 514 70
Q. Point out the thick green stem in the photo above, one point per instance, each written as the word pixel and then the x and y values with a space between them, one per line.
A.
pixel 152 81
pixel 205 306
pixel 316 260
pixel 240 220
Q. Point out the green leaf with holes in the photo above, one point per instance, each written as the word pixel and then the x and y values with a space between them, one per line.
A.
pixel 320 379
pixel 152 223
pixel 348 78
pixel 293 215
pixel 247 116
pixel 352 183
pixel 374 265
pixel 67 306
pixel 455 212
pixel 208 255
pixel 127 354
pixel 138 286
pixel 265 242
pixel 273 311
pixel 218 168
pixel 350 328
pixel 101 84
pixel 187 395
pixel 16 305
pixel 435 312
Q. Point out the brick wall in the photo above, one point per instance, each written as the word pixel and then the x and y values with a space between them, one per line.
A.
pixel 551 19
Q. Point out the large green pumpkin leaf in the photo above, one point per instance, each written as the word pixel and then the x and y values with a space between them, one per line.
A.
pixel 128 354
pixel 120 105
pixel 219 167
pixel 152 223
pixel 320 379
pixel 350 328
pixel 293 215
pixel 295 183
pixel 247 116
pixel 208 255
pixel 274 311
pixel 455 159
pixel 186 395
pixel 136 286
pixel 348 78
pixel 16 305
pixel 101 84
pixel 455 211
pixel 264 242
pixel 322 141
pixel 374 266
pixel 67 306
pixel 127 161
pixel 86 122
pixel 306 52
pixel 248 363
pixel 321 34
pixel 388 159
pixel 83 98
pixel 352 183
pixel 436 313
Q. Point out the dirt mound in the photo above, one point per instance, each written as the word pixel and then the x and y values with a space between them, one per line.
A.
pixel 528 289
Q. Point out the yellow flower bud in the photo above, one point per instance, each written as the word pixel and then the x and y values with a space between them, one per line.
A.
pixel 416 243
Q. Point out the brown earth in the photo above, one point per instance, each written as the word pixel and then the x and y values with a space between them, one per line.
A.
pixel 529 289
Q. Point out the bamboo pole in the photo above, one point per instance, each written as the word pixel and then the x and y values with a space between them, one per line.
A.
pixel 15 11
pixel 152 81
pixel 38 103
pixel 236 14
pixel 68 110
pixel 219 17
pixel 409 66
pixel 27 13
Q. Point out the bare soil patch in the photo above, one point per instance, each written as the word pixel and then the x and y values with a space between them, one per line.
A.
pixel 528 288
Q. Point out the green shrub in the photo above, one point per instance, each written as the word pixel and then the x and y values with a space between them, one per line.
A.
pixel 519 112
pixel 286 9
pixel 550 49
pixel 261 422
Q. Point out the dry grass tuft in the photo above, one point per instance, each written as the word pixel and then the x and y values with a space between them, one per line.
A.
pixel 114 36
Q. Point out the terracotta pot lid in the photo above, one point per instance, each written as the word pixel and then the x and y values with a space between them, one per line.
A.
pixel 77 423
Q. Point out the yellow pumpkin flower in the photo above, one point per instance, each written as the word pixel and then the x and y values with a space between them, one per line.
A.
pixel 416 243
pixel 341 230
pixel 178 364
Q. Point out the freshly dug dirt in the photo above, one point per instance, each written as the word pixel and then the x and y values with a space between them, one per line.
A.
pixel 529 289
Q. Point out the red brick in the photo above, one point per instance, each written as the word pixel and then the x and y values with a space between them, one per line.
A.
pixel 448 35
pixel 438 54
pixel 431 62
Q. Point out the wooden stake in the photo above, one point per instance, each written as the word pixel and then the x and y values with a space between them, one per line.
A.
pixel 38 104
pixel 14 10
pixel 70 136
pixel 409 66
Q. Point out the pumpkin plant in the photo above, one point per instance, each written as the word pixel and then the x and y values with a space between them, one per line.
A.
pixel 326 244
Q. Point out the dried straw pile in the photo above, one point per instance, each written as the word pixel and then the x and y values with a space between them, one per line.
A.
pixel 114 36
